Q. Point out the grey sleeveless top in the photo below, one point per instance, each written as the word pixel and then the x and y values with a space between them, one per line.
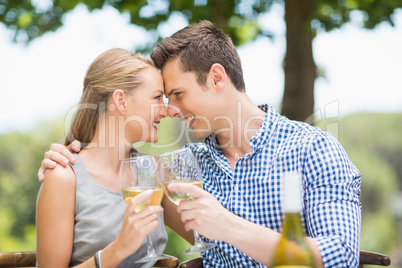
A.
pixel 98 218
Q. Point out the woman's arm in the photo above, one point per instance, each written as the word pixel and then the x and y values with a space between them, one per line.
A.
pixel 55 224
pixel 55 218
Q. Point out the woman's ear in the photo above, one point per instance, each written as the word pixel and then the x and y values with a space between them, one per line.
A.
pixel 119 100
pixel 218 75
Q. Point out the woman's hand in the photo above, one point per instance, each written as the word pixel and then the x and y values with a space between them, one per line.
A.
pixel 137 225
pixel 58 154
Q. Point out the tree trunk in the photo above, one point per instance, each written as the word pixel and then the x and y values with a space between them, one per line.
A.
pixel 299 66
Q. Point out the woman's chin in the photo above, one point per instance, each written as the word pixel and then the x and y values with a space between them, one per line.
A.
pixel 153 139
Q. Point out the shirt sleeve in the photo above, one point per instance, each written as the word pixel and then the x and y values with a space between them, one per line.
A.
pixel 331 202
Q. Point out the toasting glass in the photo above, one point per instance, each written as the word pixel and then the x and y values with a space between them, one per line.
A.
pixel 181 166
pixel 137 175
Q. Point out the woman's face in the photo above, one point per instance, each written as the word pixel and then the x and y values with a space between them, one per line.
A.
pixel 145 108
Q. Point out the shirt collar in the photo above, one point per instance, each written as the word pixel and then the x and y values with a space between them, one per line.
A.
pixel 263 134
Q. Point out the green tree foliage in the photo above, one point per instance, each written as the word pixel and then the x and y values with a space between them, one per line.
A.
pixel 239 19
pixel 20 157
pixel 377 152
pixel 373 144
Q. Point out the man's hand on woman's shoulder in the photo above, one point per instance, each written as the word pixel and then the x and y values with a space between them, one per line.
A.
pixel 58 154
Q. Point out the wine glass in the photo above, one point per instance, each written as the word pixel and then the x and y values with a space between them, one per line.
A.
pixel 138 174
pixel 181 166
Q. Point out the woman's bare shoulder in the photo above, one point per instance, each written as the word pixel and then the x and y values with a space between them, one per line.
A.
pixel 60 175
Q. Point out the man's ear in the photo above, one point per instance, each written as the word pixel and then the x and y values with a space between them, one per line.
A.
pixel 119 100
pixel 218 75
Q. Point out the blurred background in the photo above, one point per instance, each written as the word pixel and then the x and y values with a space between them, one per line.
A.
pixel 332 63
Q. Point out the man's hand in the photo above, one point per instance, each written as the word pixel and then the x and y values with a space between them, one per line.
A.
pixel 204 214
pixel 58 154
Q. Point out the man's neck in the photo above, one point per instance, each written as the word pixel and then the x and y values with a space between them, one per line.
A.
pixel 246 120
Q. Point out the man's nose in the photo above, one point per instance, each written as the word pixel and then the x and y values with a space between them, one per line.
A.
pixel 173 110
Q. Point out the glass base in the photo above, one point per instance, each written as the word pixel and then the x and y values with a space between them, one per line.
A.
pixel 200 247
pixel 152 257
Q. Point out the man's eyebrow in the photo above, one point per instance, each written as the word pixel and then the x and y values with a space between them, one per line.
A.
pixel 171 92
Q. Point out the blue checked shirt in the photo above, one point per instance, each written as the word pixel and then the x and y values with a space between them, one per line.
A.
pixel 252 190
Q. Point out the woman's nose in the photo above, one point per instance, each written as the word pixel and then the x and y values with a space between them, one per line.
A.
pixel 173 111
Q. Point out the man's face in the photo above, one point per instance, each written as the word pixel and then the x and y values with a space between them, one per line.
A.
pixel 188 100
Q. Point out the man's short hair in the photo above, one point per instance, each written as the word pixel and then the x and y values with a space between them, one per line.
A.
pixel 199 46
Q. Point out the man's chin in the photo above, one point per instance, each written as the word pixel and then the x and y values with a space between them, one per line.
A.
pixel 200 135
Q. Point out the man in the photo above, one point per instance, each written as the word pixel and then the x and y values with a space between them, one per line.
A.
pixel 243 159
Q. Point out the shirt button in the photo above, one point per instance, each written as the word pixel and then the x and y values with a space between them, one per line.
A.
pixel 236 188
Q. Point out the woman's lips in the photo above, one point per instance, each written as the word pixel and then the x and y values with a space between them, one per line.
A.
pixel 155 124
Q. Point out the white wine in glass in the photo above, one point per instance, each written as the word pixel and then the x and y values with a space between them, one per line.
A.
pixel 155 199
pixel 176 197
pixel 139 174
pixel 180 166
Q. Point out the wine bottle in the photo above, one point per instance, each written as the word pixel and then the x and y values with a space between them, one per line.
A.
pixel 292 250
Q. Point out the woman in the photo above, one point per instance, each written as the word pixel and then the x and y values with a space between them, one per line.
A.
pixel 80 209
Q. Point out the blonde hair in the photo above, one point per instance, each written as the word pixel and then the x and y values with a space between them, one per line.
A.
pixel 114 69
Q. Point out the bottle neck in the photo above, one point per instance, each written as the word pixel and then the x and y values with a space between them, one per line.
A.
pixel 292 193
pixel 292 250
pixel 292 226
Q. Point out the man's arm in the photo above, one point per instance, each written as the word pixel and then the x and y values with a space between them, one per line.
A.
pixel 206 215
pixel 332 206
pixel 172 220
pixel 58 154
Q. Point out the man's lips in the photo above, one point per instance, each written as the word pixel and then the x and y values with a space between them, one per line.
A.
pixel 189 120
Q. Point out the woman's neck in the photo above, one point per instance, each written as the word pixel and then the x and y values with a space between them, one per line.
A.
pixel 102 156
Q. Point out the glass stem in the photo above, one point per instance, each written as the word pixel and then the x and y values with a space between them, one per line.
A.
pixel 197 238
pixel 150 246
